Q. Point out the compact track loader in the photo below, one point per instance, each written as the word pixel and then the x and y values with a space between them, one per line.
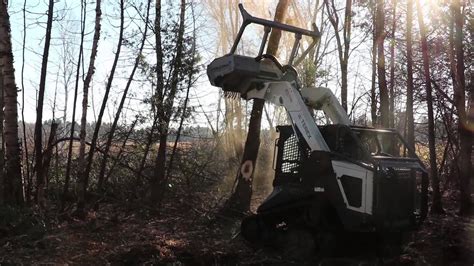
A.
pixel 329 178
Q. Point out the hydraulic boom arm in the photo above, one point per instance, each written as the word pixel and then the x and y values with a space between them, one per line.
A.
pixel 282 93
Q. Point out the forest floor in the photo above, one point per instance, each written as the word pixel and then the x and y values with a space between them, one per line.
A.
pixel 189 234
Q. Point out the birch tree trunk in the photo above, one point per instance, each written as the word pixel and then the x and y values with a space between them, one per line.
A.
pixel 85 89
pixel 86 86
pixel 13 193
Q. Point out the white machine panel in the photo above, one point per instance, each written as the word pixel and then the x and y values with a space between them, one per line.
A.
pixel 349 169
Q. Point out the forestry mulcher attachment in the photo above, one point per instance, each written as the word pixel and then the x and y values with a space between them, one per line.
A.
pixel 328 178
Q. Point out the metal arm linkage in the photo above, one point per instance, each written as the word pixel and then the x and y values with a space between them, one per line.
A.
pixel 282 93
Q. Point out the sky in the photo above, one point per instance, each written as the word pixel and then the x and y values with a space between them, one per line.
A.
pixel 66 29
pixel 204 97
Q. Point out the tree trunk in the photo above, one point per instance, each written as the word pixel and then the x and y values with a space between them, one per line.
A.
pixel 190 81
pixel 373 93
pixel 39 110
pixel 241 197
pixel 49 151
pixel 148 144
pixel 392 65
pixel 465 137
pixel 85 89
pixel 436 206
pixel 343 45
pixel 165 112
pixel 84 179
pixel 2 143
pixel 380 31
pixel 26 160
pixel 347 42
pixel 159 94
pixel 409 107
pixel 121 104
pixel 12 185
pixel 73 120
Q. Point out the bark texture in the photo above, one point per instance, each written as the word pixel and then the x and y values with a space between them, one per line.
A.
pixel 392 65
pixel 12 183
pixel 409 107
pixel 85 89
pixel 381 72
pixel 373 91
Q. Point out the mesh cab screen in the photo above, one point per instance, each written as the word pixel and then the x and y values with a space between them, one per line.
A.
pixel 291 154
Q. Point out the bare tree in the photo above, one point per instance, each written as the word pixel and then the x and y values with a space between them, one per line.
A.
pixel 67 66
pixel 25 142
pixel 165 101
pixel 122 102
pixel 39 109
pixel 85 89
pixel 343 46
pixel 392 64
pixel 465 137
pixel 76 88
pixel 380 33
pixel 84 179
pixel 190 81
pixel 436 206
pixel 373 92
pixel 409 106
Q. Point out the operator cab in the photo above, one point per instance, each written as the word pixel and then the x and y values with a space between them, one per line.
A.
pixel 389 166
pixel 383 143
